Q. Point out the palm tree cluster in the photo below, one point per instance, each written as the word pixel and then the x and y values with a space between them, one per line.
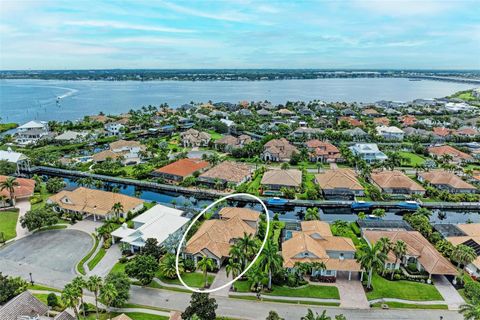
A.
pixel 9 184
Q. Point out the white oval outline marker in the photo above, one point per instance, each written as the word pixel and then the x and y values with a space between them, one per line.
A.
pixel 177 257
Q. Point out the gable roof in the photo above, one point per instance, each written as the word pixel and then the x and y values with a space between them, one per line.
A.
pixel 25 304
pixel 289 177
pixel 417 245
pixel 183 167
pixel 338 179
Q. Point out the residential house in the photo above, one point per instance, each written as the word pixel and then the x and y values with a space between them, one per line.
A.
pixel 395 182
pixel 245 112
pixel 228 173
pixel 19 160
pixel 278 150
pixel 129 152
pixel 339 183
pixel 72 136
pixel 470 236
pixel 307 132
pixel 159 222
pixel 115 128
pixel 468 132
pixel 390 133
pixel 264 113
pixel 323 151
pixel 371 112
pixel 31 132
pixel 228 143
pixel 357 134
pixel 457 155
pixel 419 252
pixel 351 121
pixel 276 179
pixel 24 190
pixel 446 181
pixel 98 203
pixel 180 169
pixel 194 138
pixel 215 237
pixel 24 306
pixel 316 243
pixel 442 133
pixel 368 152
pixel 408 120
pixel 286 113
pixel 382 121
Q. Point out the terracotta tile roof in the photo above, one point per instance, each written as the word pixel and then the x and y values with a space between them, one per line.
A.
pixel 229 171
pixel 466 132
pixel 323 148
pixel 352 121
pixel 93 201
pixel 243 213
pixel 338 179
pixel 125 144
pixel 315 226
pixel 382 121
pixel 216 236
pixel 395 180
pixel 183 167
pixel 122 316
pixel 370 111
pixel 442 177
pixel 471 229
pixel 442 131
pixel 418 246
pixel 288 178
pixel 446 149
pixel 280 147
pixel 104 155
pixel 24 189
pixel 408 120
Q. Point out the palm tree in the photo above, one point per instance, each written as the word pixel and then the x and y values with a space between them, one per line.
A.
pixel 94 284
pixel 380 213
pixel 385 244
pixel 3 199
pixel 246 245
pixel 312 214
pixel 470 311
pixel 108 293
pixel 233 267
pixel 371 258
pixel 399 250
pixel 270 260
pixel 117 208
pixel 315 316
pixel 205 264
pixel 9 184
pixel 71 298
pixel 167 266
pixel 80 283
pixel 464 254
pixel 362 215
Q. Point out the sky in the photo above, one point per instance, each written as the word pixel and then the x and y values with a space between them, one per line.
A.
pixel 353 34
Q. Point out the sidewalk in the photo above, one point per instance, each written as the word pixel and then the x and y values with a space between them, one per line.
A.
pixel 23 206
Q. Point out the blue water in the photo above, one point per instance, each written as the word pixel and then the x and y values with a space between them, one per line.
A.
pixel 24 100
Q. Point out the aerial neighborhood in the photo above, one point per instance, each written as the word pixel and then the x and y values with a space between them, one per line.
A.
pixel 371 206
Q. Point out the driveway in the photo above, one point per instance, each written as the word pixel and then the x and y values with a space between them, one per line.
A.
pixel 87 225
pixel 351 292
pixel 50 256
pixel 451 296
pixel 23 206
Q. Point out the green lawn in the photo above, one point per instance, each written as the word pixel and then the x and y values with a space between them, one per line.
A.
pixel 42 287
pixel 54 227
pixel 133 315
pixel 7 126
pixel 8 223
pixel 399 305
pixel 43 195
pixel 100 254
pixel 215 135
pixel 80 264
pixel 403 289
pixel 414 159
pixel 314 303
pixel 254 185
pixel 118 267
pixel 192 279
pixel 308 291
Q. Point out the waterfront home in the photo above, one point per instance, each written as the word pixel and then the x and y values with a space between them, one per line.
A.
pixel 306 132
pixel 420 252
pixel 115 128
pixel 395 182
pixel 368 152
pixel 19 160
pixel 276 179
pixel 469 235
pixel 339 183
pixel 215 237
pixel 228 173
pixel 264 113
pixel 159 222
pixel 31 132
pixel 390 133
pixel 24 190
pixel 99 118
pixel 98 203
pixel 129 152
pixel 194 138
pixel 285 112
pixel 446 181
pixel 278 150
pixel 72 136
pixel 316 243
pixel 180 169
pixel 323 151
pixel 229 143
pixel 456 155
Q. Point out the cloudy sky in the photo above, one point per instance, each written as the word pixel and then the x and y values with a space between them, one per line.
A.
pixel 239 34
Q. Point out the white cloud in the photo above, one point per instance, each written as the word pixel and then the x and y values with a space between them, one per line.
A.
pixel 232 16
pixel 128 26
pixel 405 7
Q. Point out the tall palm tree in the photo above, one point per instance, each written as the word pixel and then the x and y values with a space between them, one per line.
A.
pixel 385 244
pixel 71 298
pixel 94 284
pixel 464 254
pixel 233 267
pixel 270 260
pixel 80 283
pixel 9 184
pixel 205 264
pixel 246 245
pixel 312 214
pixel 399 250
pixel 470 311
pixel 167 266
pixel 108 293
pixel 371 258
pixel 117 208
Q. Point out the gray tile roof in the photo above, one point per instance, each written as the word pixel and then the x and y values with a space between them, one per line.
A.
pixel 25 304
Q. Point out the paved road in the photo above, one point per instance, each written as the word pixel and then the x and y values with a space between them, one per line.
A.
pixel 50 256
pixel 242 309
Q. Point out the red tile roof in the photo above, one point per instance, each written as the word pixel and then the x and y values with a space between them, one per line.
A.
pixel 24 189
pixel 183 167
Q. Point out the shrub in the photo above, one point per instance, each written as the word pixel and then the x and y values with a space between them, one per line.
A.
pixel 107 243
pixel 52 300
pixel 189 265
